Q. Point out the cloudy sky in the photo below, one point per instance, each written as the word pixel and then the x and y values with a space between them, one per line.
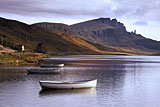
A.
pixel 142 15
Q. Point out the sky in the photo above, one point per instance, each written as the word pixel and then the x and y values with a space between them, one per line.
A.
pixel 140 15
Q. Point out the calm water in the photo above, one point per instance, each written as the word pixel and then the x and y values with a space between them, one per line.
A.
pixel 123 81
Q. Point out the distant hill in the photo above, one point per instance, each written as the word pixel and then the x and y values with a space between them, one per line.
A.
pixel 57 27
pixel 103 49
pixel 112 33
pixel 57 38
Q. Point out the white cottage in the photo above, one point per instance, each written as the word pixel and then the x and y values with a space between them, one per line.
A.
pixel 22 47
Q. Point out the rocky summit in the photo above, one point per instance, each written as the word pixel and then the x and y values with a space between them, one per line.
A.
pixel 110 32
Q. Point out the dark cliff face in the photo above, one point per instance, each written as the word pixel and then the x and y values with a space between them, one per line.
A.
pixel 103 30
pixel 113 33
pixel 112 23
pixel 55 27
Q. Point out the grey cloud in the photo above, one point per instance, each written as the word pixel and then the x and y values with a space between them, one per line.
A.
pixel 141 23
pixel 148 9
pixel 59 7
pixel 133 9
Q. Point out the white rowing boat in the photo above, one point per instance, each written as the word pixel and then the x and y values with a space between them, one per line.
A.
pixel 43 70
pixel 52 65
pixel 68 84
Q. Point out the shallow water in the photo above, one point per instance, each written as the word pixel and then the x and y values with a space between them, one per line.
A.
pixel 123 81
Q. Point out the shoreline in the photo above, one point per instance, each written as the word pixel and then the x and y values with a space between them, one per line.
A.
pixel 21 57
pixel 18 58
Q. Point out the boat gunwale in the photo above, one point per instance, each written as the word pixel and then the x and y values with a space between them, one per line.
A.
pixel 50 65
pixel 67 82
pixel 42 69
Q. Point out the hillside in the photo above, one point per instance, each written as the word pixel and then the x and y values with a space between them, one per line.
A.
pixel 70 35
pixel 58 39
pixel 112 33
pixel 16 33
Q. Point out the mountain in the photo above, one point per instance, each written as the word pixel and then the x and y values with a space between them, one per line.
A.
pixel 110 32
pixel 57 38
pixel 57 27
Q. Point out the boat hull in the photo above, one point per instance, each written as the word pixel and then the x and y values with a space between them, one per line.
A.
pixel 68 85
pixel 43 71
pixel 52 65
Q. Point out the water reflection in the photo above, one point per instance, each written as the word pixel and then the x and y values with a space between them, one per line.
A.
pixel 123 81
pixel 91 91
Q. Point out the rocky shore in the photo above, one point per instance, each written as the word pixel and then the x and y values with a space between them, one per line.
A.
pixel 9 56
